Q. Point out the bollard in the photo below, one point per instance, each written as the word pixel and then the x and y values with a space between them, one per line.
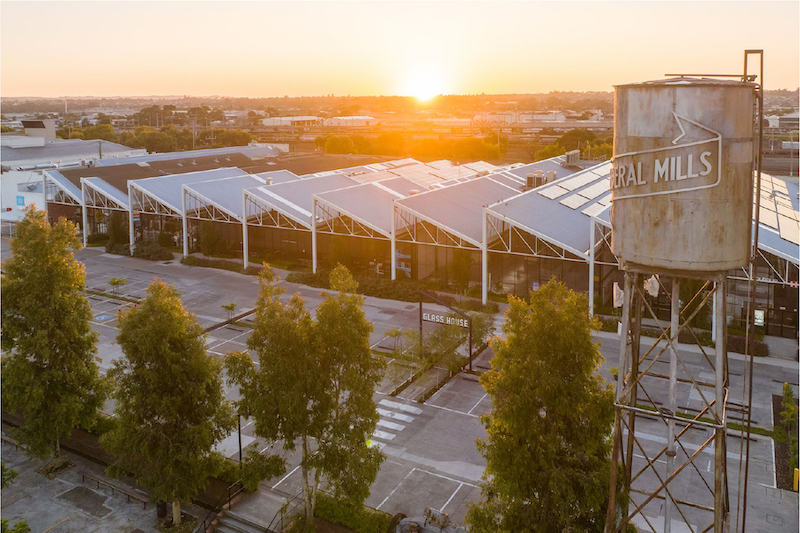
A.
pixel 796 477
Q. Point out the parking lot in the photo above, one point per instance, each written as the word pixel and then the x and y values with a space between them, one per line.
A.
pixel 431 459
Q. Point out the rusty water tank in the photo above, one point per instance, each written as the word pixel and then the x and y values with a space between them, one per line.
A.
pixel 682 176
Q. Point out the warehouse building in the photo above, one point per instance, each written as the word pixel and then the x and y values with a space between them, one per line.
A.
pixel 514 227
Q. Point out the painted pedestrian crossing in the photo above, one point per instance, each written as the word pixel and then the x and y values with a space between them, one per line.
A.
pixel 394 416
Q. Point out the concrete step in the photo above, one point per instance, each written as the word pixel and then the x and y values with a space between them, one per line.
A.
pixel 230 522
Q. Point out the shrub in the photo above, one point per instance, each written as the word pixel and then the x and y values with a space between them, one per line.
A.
pixel 152 252
pixel 210 240
pixel 165 239
pixel 608 324
pixel 360 519
pixel 97 238
pixel 739 345
pixel 221 264
pixel 319 280
pixel 119 248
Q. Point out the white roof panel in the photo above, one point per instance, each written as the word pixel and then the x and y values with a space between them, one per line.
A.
pixel 226 193
pixel 108 190
pixel 458 208
pixel 295 198
pixel 168 189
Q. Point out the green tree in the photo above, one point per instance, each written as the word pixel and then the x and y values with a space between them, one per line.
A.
pixel 101 131
pixel 547 448
pixel 688 289
pixel 548 151
pixel 165 433
pixel 118 234
pixel 314 386
pixel 339 145
pixel 789 414
pixel 50 370
pixel 210 240
pixel 461 269
pixel 19 527
pixel 573 138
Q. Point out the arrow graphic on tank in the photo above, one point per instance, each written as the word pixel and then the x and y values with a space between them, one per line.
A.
pixel 683 167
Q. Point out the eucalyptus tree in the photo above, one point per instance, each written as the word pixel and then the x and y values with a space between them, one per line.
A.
pixel 49 367
pixel 314 386
pixel 170 404
pixel 547 446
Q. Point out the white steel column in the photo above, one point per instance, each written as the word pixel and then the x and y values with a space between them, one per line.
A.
pixel 131 233
pixel 591 267
pixel 83 213
pixel 184 223
pixel 393 241
pixel 245 244
pixel 484 260
pixel 314 236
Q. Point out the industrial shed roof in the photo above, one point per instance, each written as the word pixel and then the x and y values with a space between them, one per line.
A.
pixel 294 198
pixel 370 203
pixel 559 211
pixel 779 229
pixel 65 184
pixel 265 150
pixel 168 189
pixel 109 191
pixel 457 209
pixel 226 193
pixel 64 150
pixel 278 176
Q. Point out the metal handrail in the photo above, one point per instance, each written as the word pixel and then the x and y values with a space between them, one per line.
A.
pixel 284 510
pixel 219 505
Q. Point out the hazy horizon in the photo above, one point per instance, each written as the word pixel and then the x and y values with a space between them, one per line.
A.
pixel 313 49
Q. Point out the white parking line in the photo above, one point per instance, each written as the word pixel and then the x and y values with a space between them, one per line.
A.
pixel 397 416
pixel 378 434
pixel 452 410
pixel 391 425
pixel 477 404
pixel 286 476
pixel 395 489
pixel 401 406
pixel 448 478
pixel 451 497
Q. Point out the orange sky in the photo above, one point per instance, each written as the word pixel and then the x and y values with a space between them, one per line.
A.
pixel 370 48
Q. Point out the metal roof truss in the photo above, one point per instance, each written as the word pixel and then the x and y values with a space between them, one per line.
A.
pixel 332 221
pixel 94 197
pixel 410 227
pixel 508 238
pixel 259 213
pixel 143 202
pixel 201 208
pixel 55 194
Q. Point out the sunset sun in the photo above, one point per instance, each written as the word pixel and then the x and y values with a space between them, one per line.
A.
pixel 424 84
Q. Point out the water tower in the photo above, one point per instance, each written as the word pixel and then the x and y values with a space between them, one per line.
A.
pixel 685 151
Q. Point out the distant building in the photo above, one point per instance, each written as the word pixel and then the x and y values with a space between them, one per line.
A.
pixel 291 121
pixel 352 121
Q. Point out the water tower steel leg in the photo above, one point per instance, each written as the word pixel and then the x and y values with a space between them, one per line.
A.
pixel 673 397
pixel 611 514
pixel 720 456
pixel 637 301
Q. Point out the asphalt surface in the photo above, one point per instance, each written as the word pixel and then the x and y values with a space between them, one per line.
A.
pixel 431 456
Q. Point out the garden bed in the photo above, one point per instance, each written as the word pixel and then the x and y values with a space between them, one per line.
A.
pixel 783 471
